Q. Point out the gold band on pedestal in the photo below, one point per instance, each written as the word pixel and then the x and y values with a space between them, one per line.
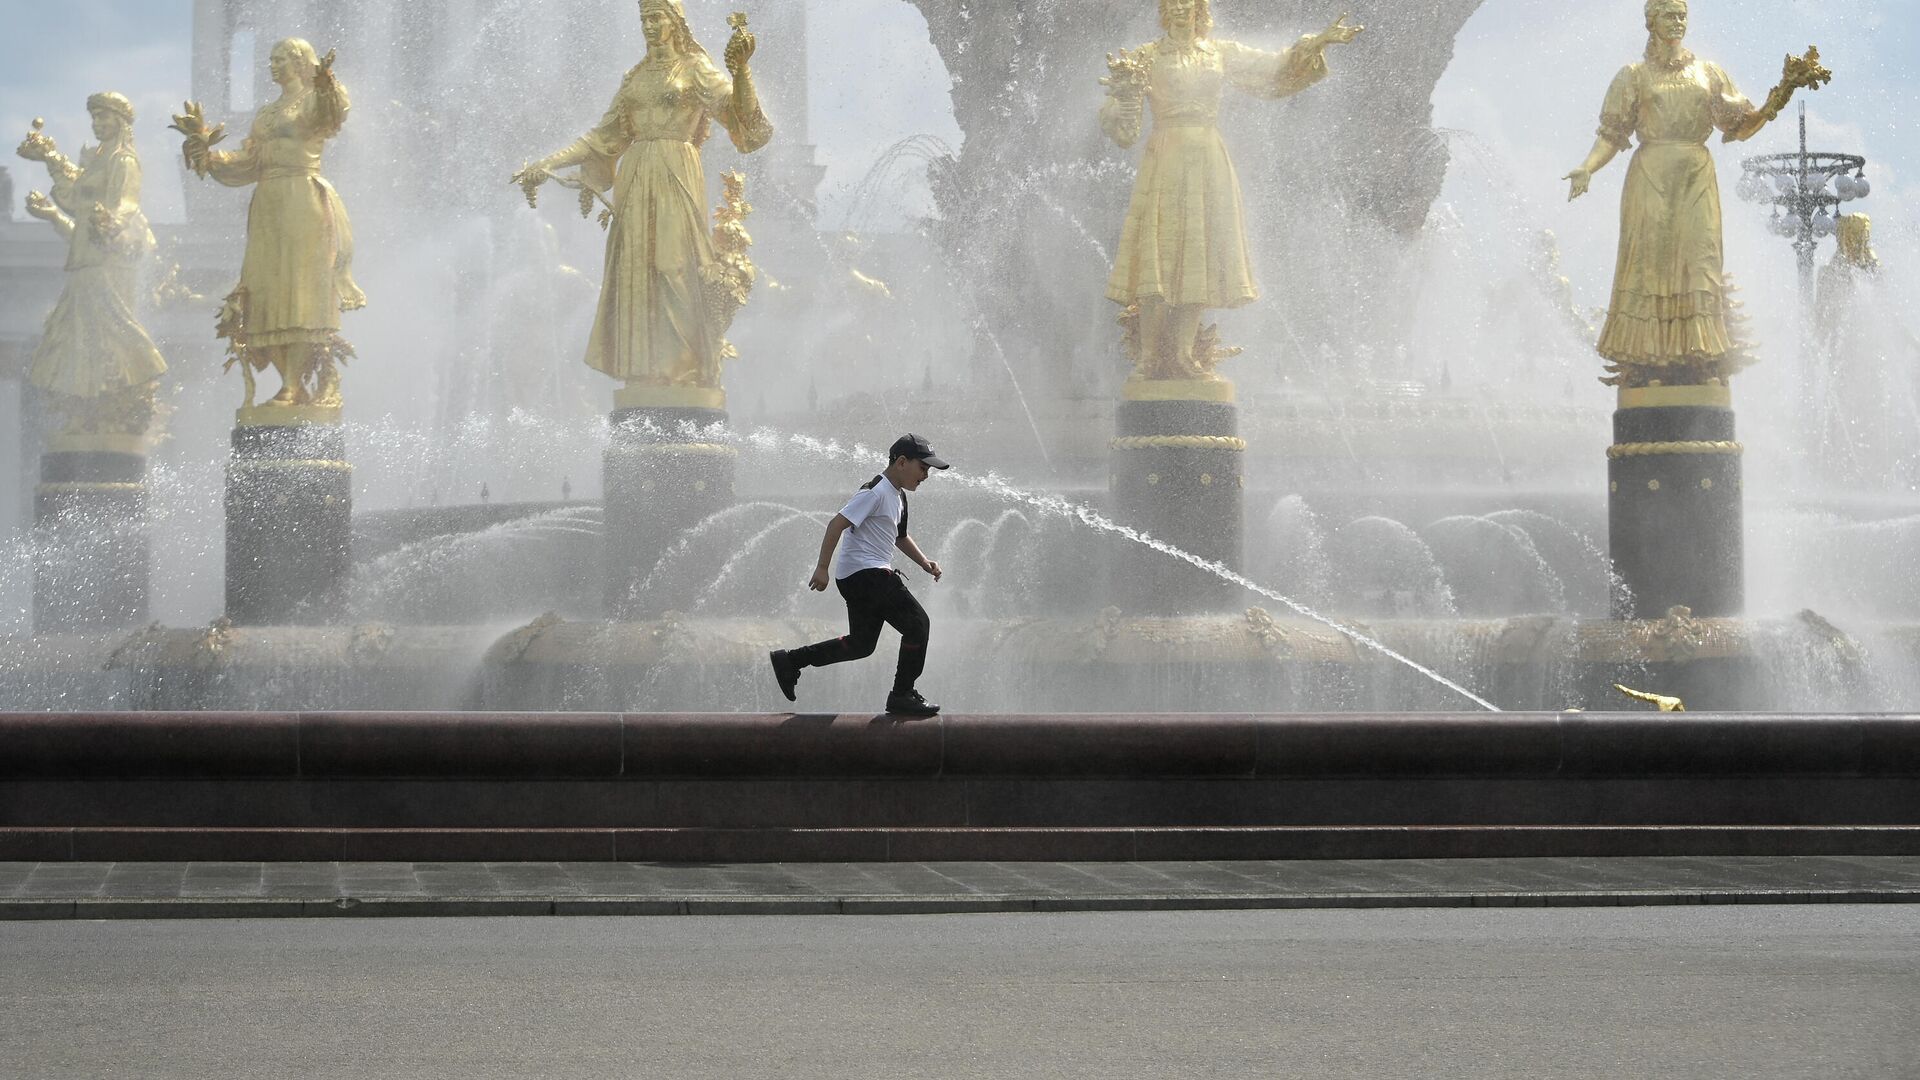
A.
pixel 1179 442
pixel 287 415
pixel 1650 449
pixel 1703 395
pixel 99 443
pixel 669 397
pixel 58 487
pixel 1139 389
pixel 309 464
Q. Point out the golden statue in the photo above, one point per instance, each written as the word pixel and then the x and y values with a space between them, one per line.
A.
pixel 658 326
pixel 1662 702
pixel 95 359
pixel 1183 249
pixel 297 275
pixel 1854 262
pixel 1667 321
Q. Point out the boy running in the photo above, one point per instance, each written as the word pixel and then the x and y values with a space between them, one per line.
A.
pixel 874 522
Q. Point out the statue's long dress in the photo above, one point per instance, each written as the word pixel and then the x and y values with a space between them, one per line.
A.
pixel 1669 284
pixel 297 276
pixel 1185 237
pixel 651 327
pixel 93 343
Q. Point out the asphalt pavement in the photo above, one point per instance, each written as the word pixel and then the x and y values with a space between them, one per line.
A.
pixel 1828 991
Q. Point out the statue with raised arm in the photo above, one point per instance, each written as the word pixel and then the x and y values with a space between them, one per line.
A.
pixel 95 359
pixel 1667 320
pixel 667 294
pixel 296 277
pixel 1183 249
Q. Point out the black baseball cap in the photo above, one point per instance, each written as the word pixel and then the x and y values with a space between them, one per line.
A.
pixel 917 448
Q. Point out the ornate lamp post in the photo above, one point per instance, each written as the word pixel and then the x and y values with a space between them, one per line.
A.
pixel 1806 209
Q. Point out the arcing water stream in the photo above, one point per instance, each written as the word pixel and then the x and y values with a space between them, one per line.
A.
pixel 767 439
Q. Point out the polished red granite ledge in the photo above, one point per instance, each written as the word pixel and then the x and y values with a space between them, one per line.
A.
pixel 607 746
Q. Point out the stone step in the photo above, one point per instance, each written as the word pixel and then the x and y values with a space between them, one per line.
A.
pixel 732 787
pixel 697 845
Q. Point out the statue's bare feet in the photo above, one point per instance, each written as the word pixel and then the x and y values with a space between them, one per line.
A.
pixel 284 397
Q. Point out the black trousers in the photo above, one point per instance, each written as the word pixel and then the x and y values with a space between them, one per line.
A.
pixel 875 597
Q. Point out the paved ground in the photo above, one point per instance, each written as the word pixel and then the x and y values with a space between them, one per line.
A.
pixel 1825 992
pixel 251 890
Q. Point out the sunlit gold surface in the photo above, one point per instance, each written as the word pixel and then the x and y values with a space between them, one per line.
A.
pixel 296 277
pixel 667 282
pixel 1140 387
pixel 1183 248
pixel 39 146
pixel 1655 449
pixel 1660 701
pixel 287 415
pixel 1668 317
pixel 300 464
pixel 1179 442
pixel 1854 264
pixel 728 280
pixel 1796 73
pixel 1706 395
pixel 123 487
pixel 94 359
pixel 106 443
pixel 643 396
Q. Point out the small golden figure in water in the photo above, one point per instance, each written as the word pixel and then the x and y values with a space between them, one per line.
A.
pixel 1662 702
pixel 1183 249
pixel 1667 321
pixel 95 359
pixel 297 275
pixel 656 328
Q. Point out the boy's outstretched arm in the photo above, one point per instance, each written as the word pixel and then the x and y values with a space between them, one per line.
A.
pixel 838 525
pixel 912 550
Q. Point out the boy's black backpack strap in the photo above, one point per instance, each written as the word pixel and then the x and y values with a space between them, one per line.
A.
pixel 875 482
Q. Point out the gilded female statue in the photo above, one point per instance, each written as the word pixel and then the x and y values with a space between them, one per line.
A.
pixel 1183 249
pixel 296 277
pixel 95 358
pixel 653 327
pixel 1667 321
pixel 1843 281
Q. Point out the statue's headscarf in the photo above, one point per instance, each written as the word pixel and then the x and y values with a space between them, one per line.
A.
pixel 303 51
pixel 108 101
pixel 684 42
pixel 688 49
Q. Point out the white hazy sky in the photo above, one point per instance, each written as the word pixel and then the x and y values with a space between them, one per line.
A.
pixel 1526 85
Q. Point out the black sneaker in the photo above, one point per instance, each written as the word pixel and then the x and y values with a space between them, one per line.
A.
pixel 910 703
pixel 785 670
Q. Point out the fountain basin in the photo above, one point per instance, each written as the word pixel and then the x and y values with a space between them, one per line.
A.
pixel 410 786
pixel 1254 662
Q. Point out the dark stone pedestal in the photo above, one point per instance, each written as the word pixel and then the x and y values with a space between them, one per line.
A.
pixel 90 540
pixel 1674 506
pixel 1178 476
pixel 660 482
pixel 289 524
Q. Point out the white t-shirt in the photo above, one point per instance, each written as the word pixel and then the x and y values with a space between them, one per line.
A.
pixel 875 513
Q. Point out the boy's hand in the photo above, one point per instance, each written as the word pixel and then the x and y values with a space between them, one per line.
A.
pixel 819 582
pixel 933 568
